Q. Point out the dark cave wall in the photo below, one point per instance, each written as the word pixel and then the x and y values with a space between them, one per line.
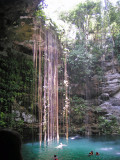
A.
pixel 11 14
pixel 16 51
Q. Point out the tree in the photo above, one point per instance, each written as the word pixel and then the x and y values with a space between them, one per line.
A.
pixel 83 17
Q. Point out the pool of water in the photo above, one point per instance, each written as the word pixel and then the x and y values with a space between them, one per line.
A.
pixel 76 148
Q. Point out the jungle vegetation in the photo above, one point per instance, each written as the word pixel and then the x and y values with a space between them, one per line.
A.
pixel 97 34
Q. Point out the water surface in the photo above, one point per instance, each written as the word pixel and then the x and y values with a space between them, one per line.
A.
pixel 77 148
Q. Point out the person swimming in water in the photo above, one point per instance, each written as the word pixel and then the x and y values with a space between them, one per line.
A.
pixel 97 154
pixel 61 145
pixel 91 153
pixel 55 157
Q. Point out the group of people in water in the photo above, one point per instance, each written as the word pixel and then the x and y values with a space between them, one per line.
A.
pixel 91 153
pixel 10 146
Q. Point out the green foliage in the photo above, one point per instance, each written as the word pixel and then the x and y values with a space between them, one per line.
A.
pixel 77 64
pixel 78 102
pixel 40 13
pixel 82 64
pixel 85 54
pixel 111 19
pixel 108 126
pixel 83 13
pixel 77 110
pixel 16 82
pixel 117 47
pixel 2 120
pixel 7 120
pixel 114 15
pixel 96 52
pixel 16 124
pixel 95 32
pixel 77 115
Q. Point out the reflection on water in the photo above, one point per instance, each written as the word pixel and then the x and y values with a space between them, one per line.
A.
pixel 75 149
pixel 106 149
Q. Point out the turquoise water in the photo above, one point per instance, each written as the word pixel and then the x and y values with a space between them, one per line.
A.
pixel 77 148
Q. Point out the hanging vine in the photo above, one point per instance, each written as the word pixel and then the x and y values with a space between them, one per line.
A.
pixel 46 54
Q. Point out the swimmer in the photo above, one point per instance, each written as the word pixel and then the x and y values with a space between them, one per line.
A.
pixel 91 153
pixel 97 154
pixel 55 157
pixel 61 145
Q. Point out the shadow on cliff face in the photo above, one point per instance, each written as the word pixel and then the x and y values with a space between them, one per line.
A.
pixel 11 11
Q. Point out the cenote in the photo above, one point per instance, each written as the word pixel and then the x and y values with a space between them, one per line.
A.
pixel 76 148
pixel 61 77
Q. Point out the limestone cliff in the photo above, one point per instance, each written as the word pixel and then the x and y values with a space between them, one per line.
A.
pixel 16 24
pixel 16 53
pixel 102 99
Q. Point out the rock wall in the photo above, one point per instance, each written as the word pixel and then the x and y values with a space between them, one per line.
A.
pixel 110 97
pixel 102 100
pixel 16 24
pixel 21 34
pixel 16 37
pixel 109 100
